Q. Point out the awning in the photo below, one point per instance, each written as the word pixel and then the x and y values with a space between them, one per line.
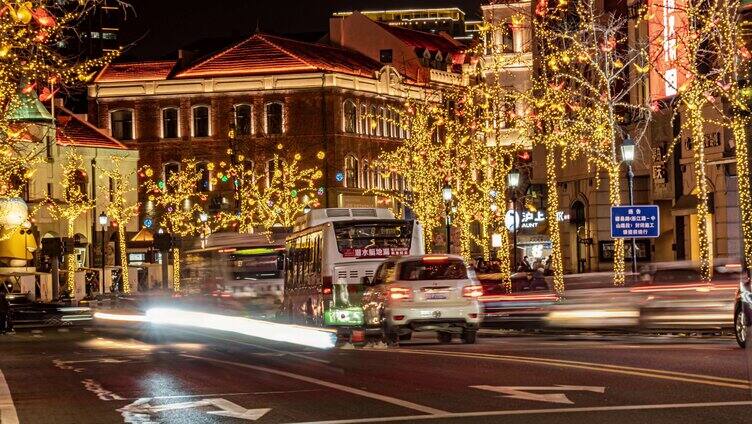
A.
pixel 144 235
pixel 687 205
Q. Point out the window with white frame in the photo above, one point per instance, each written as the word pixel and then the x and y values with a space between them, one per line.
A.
pixel 121 124
pixel 366 174
pixel 351 172
pixel 349 117
pixel 201 127
pixel 170 169
pixel 204 184
pixel 373 121
pixel 271 168
pixel 243 119
pixel 274 122
pixel 363 119
pixel 170 123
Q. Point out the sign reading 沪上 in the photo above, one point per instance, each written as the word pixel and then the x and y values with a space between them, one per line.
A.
pixel 640 221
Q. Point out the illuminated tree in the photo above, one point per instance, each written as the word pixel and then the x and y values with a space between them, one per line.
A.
pixel 276 199
pixel 420 159
pixel 30 62
pixel 177 198
pixel 74 202
pixel 119 209
pixel 579 101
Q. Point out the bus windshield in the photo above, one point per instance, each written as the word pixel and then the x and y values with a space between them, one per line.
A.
pixel 252 265
pixel 373 239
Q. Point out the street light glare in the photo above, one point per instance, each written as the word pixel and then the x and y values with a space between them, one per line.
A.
pixel 513 179
pixel 103 219
pixel 628 150
pixel 446 193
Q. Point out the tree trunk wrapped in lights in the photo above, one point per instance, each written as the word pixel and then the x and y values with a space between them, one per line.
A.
pixel 73 204
pixel 119 209
pixel 177 199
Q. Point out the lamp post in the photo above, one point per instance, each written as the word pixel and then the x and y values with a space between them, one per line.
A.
pixel 203 217
pixel 103 220
pixel 513 181
pixel 446 194
pixel 628 155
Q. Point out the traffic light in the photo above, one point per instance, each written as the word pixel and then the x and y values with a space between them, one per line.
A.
pixel 163 241
pixel 68 245
pixel 52 246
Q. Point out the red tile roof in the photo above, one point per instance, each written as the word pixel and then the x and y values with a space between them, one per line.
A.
pixel 424 40
pixel 266 54
pixel 136 71
pixel 73 131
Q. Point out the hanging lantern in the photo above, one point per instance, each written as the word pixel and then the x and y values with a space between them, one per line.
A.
pixel 13 211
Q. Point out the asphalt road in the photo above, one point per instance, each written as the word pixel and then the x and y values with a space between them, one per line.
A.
pixel 133 374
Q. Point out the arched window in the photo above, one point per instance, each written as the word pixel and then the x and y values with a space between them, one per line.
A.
pixel 349 117
pixel 366 174
pixel 201 126
pixel 387 178
pixel 382 123
pixel 363 119
pixel 170 168
pixel 121 124
pixel 274 122
pixel 373 121
pixel 351 172
pixel 204 184
pixel 170 123
pixel 243 119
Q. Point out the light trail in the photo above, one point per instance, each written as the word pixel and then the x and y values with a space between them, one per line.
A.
pixel 312 337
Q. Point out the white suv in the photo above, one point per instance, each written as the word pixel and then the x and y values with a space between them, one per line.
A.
pixel 423 293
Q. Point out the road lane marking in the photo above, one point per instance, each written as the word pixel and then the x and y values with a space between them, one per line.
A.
pixel 8 413
pixel 272 392
pixel 617 369
pixel 142 410
pixel 340 387
pixel 536 411
pixel 526 392
pixel 101 392
pixel 297 355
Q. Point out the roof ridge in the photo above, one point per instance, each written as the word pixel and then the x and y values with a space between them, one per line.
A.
pixel 285 51
pixel 220 53
pixel 88 124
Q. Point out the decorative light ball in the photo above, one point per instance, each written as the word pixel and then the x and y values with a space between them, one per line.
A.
pixel 280 146
pixel 13 212
pixel 297 156
pixel 210 166
pixel 149 172
pixel 320 155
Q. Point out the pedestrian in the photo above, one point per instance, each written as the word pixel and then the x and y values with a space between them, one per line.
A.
pixel 526 264
pixel 6 324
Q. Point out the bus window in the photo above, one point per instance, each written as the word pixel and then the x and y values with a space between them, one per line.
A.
pixel 373 238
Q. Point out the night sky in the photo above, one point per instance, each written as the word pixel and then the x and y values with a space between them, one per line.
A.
pixel 159 27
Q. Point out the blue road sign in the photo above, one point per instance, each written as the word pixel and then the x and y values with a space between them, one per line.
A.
pixel 638 221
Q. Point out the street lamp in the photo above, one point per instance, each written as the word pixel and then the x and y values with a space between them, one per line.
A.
pixel 103 220
pixel 306 209
pixel 446 194
pixel 203 217
pixel 513 181
pixel 628 155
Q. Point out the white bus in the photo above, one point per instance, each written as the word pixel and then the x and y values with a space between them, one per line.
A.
pixel 329 253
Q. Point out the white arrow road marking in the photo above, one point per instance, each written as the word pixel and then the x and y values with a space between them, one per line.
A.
pixel 100 391
pixel 7 409
pixel 523 392
pixel 141 410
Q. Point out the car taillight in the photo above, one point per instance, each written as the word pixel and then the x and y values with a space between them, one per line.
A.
pixel 326 285
pixel 472 291
pixel 399 293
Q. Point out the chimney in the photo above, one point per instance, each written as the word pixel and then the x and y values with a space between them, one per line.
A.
pixel 337 30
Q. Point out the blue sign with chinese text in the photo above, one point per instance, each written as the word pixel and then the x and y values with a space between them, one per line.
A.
pixel 639 221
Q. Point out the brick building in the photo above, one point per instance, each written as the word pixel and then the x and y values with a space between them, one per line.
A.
pixel 305 98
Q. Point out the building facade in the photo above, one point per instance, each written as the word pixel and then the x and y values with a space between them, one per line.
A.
pixel 280 96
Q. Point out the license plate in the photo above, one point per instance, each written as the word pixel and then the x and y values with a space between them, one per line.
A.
pixel 435 296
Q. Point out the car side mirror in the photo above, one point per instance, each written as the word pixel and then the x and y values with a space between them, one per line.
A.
pixel 366 281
